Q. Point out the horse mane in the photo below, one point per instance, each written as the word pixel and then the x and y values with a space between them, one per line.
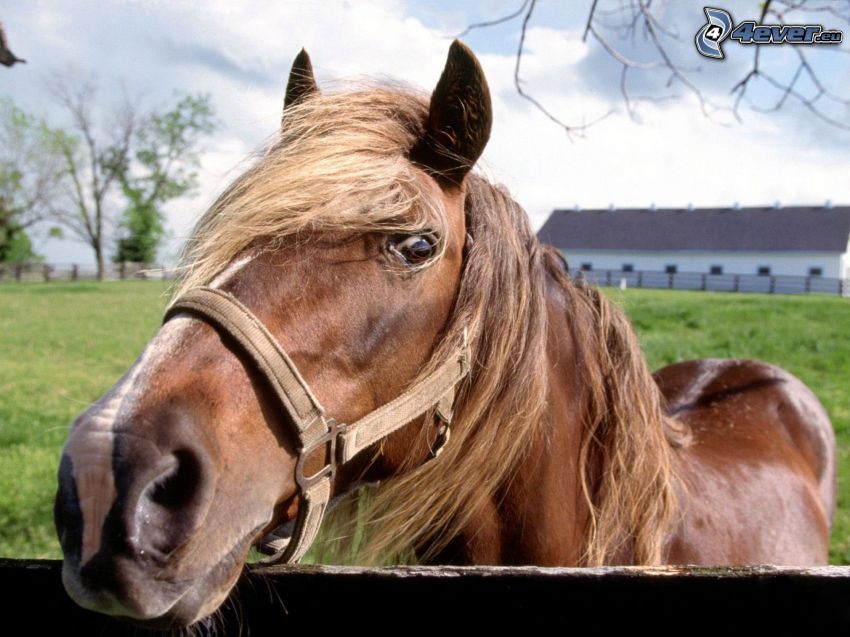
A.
pixel 627 472
pixel 344 157
pixel 626 469
pixel 338 163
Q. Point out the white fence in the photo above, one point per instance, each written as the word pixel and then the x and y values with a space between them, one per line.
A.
pixel 766 284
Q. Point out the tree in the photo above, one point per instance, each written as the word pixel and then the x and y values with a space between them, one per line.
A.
pixel 641 37
pixel 93 157
pixel 150 159
pixel 142 230
pixel 166 168
pixel 31 168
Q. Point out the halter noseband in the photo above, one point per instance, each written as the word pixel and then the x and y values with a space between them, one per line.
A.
pixel 310 426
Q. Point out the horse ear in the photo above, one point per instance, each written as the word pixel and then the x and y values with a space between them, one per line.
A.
pixel 459 118
pixel 301 82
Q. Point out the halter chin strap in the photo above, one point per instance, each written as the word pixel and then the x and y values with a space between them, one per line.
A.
pixel 311 427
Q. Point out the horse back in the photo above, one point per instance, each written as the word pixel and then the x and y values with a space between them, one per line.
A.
pixel 758 475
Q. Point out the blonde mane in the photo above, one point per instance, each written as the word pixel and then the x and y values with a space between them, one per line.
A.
pixel 338 163
pixel 341 164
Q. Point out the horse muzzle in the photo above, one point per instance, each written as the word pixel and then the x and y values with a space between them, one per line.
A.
pixel 128 508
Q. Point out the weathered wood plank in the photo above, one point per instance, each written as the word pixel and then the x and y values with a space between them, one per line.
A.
pixel 322 598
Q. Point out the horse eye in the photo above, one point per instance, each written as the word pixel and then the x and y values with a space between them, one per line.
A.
pixel 413 249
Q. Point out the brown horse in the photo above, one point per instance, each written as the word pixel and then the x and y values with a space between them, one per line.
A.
pixel 367 255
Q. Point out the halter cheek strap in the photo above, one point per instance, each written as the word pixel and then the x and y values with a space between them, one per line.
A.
pixel 311 428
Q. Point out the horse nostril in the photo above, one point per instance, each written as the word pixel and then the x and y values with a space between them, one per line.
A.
pixel 176 487
pixel 173 504
pixel 66 511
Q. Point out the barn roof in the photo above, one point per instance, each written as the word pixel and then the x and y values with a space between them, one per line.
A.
pixel 798 228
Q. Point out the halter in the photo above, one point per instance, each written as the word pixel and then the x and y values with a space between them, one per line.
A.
pixel 312 429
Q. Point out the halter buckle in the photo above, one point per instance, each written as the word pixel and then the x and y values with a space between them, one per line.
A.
pixel 328 439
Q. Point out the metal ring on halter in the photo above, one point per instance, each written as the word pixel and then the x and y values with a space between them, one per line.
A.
pixel 329 470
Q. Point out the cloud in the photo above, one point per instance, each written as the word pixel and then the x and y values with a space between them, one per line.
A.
pixel 214 60
pixel 240 53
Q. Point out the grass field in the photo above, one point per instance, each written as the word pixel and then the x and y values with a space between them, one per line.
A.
pixel 62 345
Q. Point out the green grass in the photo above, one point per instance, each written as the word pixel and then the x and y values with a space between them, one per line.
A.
pixel 63 344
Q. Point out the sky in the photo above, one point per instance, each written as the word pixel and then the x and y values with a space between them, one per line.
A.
pixel 670 154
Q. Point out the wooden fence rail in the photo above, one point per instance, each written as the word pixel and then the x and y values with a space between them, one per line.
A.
pixel 438 600
pixel 21 272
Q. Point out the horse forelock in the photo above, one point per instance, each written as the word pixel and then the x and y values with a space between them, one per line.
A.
pixel 338 163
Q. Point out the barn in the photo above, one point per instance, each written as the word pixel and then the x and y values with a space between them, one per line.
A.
pixel 775 248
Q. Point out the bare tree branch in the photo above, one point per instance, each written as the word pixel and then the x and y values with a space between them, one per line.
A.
pixel 614 53
pixel 625 20
pixel 629 99
pixel 491 23
pixel 569 129
pixel 675 71
pixel 788 88
pixel 78 198
pixel 589 25
pixel 94 165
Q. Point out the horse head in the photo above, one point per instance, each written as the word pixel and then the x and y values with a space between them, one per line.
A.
pixel 346 243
